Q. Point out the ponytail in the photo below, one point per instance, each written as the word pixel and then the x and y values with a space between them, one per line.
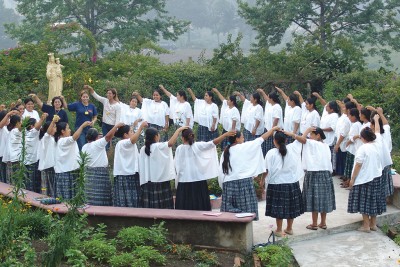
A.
pixel 188 135
pixel 14 119
pixel 150 138
pixel 44 129
pixel 61 126
pixel 280 139
pixel 226 164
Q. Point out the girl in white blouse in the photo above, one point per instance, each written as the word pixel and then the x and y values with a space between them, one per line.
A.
pixel 291 122
pixel 5 127
pixel 156 168
pixel 133 116
pixel 309 115
pixel 180 110
pixel 67 157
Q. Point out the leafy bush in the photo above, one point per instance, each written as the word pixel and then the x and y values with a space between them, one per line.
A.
pixel 209 258
pixel 76 258
pixel 149 254
pixel 213 187
pixel 132 237
pixel 37 221
pixel 275 255
pixel 100 250
pixel 122 260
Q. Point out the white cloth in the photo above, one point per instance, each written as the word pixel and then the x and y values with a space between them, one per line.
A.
pixel 228 115
pixel 250 114
pixel 47 152
pixel 342 129
pixel 130 115
pixel 204 113
pixel 385 157
pixel 387 137
pixel 180 112
pixel 308 119
pixel 364 125
pixel 316 156
pixel 273 112
pixel 155 112
pixel 246 160
pixel 126 158
pixel 33 114
pixel 368 155
pixel 292 116
pixel 32 145
pixel 197 162
pixel 329 121
pixel 159 166
pixel 3 140
pixel 355 145
pixel 111 112
pixel 14 145
pixel 97 153
pixel 67 155
pixel 285 170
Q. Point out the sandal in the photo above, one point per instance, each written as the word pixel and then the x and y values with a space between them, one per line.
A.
pixel 322 226
pixel 289 232
pixel 362 229
pixel 312 227
pixel 373 228
pixel 279 234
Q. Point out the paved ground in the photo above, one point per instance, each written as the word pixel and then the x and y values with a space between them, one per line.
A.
pixel 340 244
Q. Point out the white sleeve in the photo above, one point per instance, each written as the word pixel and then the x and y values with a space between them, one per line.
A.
pixel 99 98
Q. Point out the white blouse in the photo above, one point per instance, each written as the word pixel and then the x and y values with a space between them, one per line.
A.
pixel 355 145
pixel 32 145
pixel 308 119
pixel 14 145
pixel 292 116
pixel 246 159
pixel 3 140
pixel 47 152
pixel 250 114
pixel 155 112
pixel 329 121
pixel 159 166
pixel 130 115
pixel 111 112
pixel 97 153
pixel 67 155
pixel 368 155
pixel 180 112
pixel 342 129
pixel 126 158
pixel 285 170
pixel 316 156
pixel 33 114
pixel 273 112
pixel 204 113
pixel 228 115
pixel 196 162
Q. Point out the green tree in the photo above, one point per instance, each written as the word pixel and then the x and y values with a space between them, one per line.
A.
pixel 372 24
pixel 125 24
pixel 7 15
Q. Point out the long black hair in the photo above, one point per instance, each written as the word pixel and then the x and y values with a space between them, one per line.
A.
pixel 368 134
pixel 280 139
pixel 275 97
pixel 232 98
pixel 257 98
pixel 14 119
pixel 355 113
pixel 150 138
pixel 226 164
pixel 44 129
pixel 295 99
pixel 373 113
pixel 335 107
pixel 61 126
pixel 188 135
pixel 122 130
pixel 92 135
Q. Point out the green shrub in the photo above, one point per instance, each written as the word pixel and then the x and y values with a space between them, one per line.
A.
pixel 149 254
pixel 184 252
pixel 122 260
pixel 132 237
pixel 37 221
pixel 76 258
pixel 100 250
pixel 209 258
pixel 275 255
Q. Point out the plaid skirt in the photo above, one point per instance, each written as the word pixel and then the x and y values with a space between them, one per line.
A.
pixel 3 171
pixel 367 198
pixel 127 191
pixel 267 145
pixel 48 182
pixel 157 195
pixel 163 135
pixel 239 196
pixel 224 142
pixel 318 192
pixel 203 134
pixel 333 154
pixel 284 201
pixel 248 136
pixel 289 140
pixel 65 184
pixel 348 167
pixel 387 181
pixel 32 178
pixel 98 186
pixel 193 196
pixel 340 162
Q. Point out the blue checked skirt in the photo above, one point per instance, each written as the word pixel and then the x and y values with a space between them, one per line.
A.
pixel 367 198
pixel 98 186
pixel 340 162
pixel 248 136
pixel 203 134
pixel 65 184
pixel 387 181
pixel 157 195
pixel 48 182
pixel 318 192
pixel 267 145
pixel 163 135
pixel 239 196
pixel 193 196
pixel 127 192
pixel 32 178
pixel 348 167
pixel 284 201
pixel 3 171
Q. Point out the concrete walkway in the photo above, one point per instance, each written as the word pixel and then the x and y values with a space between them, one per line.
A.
pixel 340 244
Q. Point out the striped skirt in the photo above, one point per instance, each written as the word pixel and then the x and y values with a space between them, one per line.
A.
pixel 157 195
pixel 367 198
pixel 224 142
pixel 193 196
pixel 66 184
pixel 340 162
pixel 127 192
pixel 387 181
pixel 163 135
pixel 348 167
pixel 32 178
pixel 239 196
pixel 203 134
pixel 98 186
pixel 284 201
pixel 48 182
pixel 318 192
pixel 248 136
pixel 333 154
pixel 267 145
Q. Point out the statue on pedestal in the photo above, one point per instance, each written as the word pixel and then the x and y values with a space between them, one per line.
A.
pixel 54 75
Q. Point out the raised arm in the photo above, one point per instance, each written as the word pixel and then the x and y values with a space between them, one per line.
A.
pixel 136 135
pixel 175 136
pixel 282 93
pixel 78 132
pixel 237 93
pixel 383 118
pixel 301 139
pixel 320 99
pixel 377 126
pixel 220 96
pixel 221 138
pixel 4 121
pixel 111 133
pixel 52 125
pixel 37 100
pixel 165 90
pixel 270 132
pixel 264 95
pixel 39 123
pixel 301 99
pixel 191 94
pixel 138 96
pixel 94 94
pixel 64 102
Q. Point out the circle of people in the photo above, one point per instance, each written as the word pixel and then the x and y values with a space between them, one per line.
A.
pixel 348 140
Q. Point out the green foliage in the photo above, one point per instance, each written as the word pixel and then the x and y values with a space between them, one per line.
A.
pixel 213 187
pixel 76 258
pixel 275 255
pixel 149 254
pixel 122 260
pixel 35 221
pixel 100 250
pixel 184 252
pixel 205 257
pixel 397 240
pixel 132 237
pixel 21 252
